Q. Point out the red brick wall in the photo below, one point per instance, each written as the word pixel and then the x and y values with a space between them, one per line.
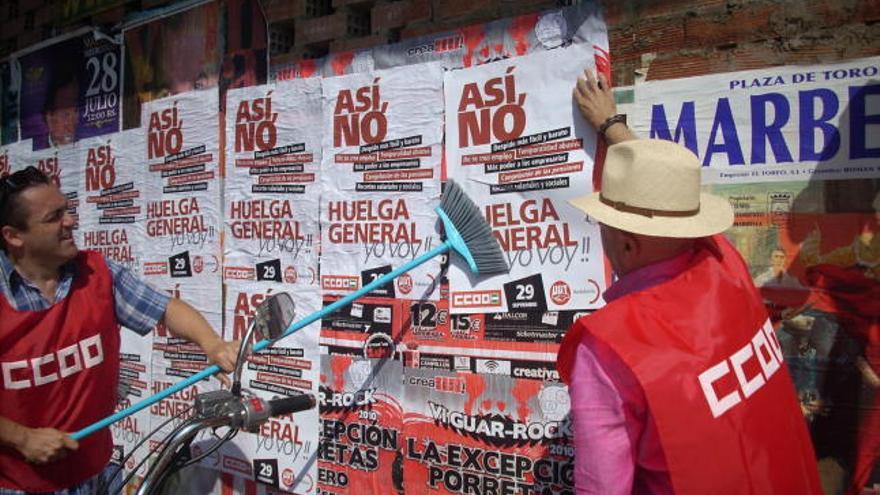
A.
pixel 677 38
pixel 659 38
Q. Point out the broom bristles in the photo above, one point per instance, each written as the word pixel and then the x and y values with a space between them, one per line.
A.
pixel 475 231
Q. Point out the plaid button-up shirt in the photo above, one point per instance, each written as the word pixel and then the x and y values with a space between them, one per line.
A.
pixel 138 305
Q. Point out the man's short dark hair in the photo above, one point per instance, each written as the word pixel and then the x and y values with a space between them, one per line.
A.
pixel 64 73
pixel 12 212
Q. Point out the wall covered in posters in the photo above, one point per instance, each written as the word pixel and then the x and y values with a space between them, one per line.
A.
pixel 440 382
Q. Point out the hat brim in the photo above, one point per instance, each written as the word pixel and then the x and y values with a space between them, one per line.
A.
pixel 715 216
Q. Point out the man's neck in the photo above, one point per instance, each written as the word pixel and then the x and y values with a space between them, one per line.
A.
pixel 44 275
pixel 661 251
pixel 654 272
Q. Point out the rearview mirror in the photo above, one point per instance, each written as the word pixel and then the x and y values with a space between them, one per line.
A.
pixel 274 315
pixel 271 319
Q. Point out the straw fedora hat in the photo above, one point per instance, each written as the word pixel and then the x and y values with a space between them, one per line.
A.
pixel 652 187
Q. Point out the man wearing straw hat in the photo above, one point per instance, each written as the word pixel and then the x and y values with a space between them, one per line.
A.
pixel 677 384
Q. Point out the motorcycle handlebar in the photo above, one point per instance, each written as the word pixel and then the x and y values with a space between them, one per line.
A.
pixel 287 405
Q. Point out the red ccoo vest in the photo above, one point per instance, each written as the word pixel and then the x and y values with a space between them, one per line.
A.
pixel 703 350
pixel 58 369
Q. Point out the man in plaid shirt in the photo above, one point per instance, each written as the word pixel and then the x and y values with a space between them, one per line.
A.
pixel 59 342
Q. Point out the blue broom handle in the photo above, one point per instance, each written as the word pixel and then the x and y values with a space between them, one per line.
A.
pixel 259 346
pixel 345 301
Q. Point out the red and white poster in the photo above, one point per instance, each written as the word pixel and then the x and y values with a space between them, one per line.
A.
pixel 113 200
pixel 499 39
pixel 273 148
pixel 135 376
pixel 517 145
pixel 485 433
pixel 179 151
pixel 281 453
pixel 381 175
pixel 361 426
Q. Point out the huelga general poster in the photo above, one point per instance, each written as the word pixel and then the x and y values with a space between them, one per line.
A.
pixel 273 152
pixel 281 452
pixel 113 201
pixel 517 145
pixel 381 175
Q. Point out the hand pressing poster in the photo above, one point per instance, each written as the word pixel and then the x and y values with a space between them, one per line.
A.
pixel 517 145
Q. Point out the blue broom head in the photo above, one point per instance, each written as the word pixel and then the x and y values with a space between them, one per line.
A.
pixel 468 233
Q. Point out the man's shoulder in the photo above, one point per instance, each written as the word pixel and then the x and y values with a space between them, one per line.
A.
pixel 86 257
pixel 91 262
pixel 7 269
pixel 657 302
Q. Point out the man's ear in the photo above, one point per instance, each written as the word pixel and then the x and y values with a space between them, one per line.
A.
pixel 630 243
pixel 11 236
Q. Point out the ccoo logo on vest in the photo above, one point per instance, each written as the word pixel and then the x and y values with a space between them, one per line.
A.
pixel 59 364
pixel 765 349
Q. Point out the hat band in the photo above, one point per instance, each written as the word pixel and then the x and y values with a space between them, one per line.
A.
pixel 647 212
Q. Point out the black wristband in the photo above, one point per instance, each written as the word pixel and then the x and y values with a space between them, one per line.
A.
pixel 619 118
